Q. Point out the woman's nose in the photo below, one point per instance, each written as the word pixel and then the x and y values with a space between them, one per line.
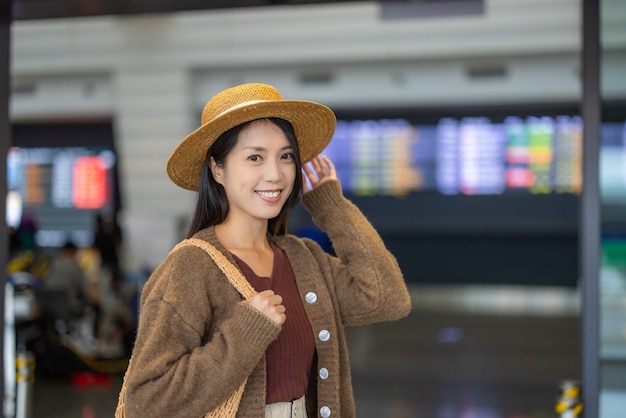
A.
pixel 272 171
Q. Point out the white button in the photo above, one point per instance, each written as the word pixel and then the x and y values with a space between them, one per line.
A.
pixel 324 335
pixel 310 297
pixel 325 411
pixel 323 373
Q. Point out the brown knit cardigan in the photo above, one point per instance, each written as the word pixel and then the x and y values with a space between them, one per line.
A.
pixel 196 340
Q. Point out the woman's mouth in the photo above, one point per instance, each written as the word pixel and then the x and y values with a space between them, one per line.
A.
pixel 269 195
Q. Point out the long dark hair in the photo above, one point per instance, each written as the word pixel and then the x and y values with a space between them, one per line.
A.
pixel 212 205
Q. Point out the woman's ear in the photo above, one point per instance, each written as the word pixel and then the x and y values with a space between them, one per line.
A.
pixel 216 170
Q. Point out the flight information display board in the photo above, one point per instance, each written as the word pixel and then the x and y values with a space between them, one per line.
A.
pixel 76 178
pixel 62 188
pixel 469 156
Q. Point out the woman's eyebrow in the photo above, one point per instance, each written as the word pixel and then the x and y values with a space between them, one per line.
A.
pixel 257 148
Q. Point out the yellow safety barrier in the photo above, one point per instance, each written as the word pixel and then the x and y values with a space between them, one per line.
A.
pixel 569 404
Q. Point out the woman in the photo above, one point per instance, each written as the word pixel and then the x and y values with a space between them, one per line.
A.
pixel 197 339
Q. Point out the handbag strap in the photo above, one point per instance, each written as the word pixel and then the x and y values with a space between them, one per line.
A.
pixel 234 275
pixel 228 408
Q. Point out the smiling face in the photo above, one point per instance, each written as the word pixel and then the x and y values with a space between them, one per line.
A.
pixel 258 174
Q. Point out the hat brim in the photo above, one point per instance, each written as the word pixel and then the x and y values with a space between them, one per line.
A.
pixel 313 123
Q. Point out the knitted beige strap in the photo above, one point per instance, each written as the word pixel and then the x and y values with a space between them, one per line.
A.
pixel 228 408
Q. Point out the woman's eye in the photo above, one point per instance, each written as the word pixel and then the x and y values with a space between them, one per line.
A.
pixel 254 158
pixel 288 156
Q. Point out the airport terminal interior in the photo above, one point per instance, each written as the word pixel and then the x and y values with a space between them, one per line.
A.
pixel 459 136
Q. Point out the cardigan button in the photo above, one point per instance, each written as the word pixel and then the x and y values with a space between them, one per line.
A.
pixel 323 373
pixel 325 411
pixel 310 297
pixel 324 335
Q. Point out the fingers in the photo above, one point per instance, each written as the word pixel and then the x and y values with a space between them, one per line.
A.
pixel 310 176
pixel 329 167
pixel 305 184
pixel 318 170
pixel 317 166
pixel 270 305
pixel 313 171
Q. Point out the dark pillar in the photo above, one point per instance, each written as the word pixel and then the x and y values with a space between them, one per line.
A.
pixel 590 222
pixel 5 141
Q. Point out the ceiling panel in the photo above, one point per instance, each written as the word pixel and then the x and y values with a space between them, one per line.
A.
pixel 45 9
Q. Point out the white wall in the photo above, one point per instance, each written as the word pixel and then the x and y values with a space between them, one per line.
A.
pixel 152 74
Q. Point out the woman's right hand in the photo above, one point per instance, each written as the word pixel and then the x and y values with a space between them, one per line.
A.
pixel 318 171
pixel 270 305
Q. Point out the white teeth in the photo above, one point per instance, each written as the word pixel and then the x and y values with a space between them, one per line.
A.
pixel 271 195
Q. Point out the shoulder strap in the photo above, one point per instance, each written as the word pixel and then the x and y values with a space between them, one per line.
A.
pixel 228 408
pixel 229 269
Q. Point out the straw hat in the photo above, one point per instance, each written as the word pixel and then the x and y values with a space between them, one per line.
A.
pixel 313 123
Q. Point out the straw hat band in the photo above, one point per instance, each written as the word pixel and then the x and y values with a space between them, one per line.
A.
pixel 208 116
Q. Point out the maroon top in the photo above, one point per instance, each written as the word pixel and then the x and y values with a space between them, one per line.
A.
pixel 290 357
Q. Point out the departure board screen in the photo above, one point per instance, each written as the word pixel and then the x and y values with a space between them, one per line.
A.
pixel 77 178
pixel 63 188
pixel 468 156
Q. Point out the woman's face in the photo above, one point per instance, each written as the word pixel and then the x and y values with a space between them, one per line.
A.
pixel 258 173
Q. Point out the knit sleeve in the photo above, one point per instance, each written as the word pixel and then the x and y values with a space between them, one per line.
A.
pixel 365 276
pixel 196 342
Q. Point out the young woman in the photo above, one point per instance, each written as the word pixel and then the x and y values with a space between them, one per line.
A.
pixel 197 339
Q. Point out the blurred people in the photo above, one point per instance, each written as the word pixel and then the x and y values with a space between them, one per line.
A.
pixel 113 315
pixel 108 241
pixel 67 275
pixel 24 253
pixel 23 237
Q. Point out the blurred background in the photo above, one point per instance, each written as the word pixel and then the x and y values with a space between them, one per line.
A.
pixel 459 135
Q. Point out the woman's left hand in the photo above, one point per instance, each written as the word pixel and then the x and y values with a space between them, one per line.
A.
pixel 318 171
